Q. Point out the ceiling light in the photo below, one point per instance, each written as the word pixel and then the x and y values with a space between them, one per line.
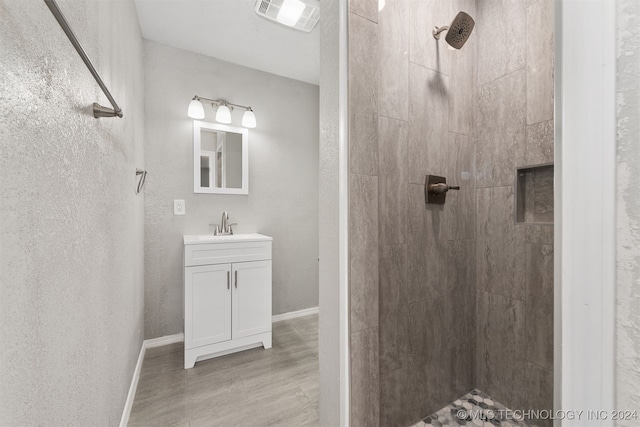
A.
pixel 249 119
pixel 300 15
pixel 223 115
pixel 290 12
pixel 196 111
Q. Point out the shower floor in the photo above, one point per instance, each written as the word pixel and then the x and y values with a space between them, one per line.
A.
pixel 474 409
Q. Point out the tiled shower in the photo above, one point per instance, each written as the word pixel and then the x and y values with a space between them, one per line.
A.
pixel 450 298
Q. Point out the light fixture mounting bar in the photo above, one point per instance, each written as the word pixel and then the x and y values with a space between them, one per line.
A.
pixel 221 102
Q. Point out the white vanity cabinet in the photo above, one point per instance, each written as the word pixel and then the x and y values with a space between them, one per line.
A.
pixel 227 295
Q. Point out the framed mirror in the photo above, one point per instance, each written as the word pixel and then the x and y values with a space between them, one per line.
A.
pixel 220 159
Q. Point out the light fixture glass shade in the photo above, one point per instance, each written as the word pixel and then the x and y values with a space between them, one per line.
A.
pixel 195 111
pixel 223 115
pixel 290 12
pixel 249 119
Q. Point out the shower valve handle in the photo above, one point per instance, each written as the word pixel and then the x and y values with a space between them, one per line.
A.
pixel 441 187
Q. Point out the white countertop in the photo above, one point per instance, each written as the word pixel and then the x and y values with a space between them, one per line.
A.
pixel 227 238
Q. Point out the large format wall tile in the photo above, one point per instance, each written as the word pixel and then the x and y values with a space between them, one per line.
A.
pixel 501 38
pixel 426 286
pixel 539 145
pixel 539 388
pixel 442 332
pixel 540 58
pixel 393 60
pixel 501 130
pixel 428 123
pixel 416 244
pixel 463 78
pixel 394 322
pixel 393 139
pixel 363 96
pixel 363 251
pixel 424 49
pixel 462 315
pixel 365 384
pixel 539 304
pixel 461 286
pixel 500 360
pixel 501 252
pixel 460 206
pixel 539 234
pixel 365 8
pixel 514 313
pixel 428 344
pixel 399 400
pixel 427 251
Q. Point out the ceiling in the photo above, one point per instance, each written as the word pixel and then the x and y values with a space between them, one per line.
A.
pixel 230 30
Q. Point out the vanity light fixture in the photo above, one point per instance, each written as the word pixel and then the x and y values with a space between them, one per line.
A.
pixel 249 119
pixel 223 115
pixel 196 110
pixel 223 111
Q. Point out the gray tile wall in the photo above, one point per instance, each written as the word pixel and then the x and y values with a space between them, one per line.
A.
pixel 363 212
pixel 448 298
pixel 514 359
pixel 413 112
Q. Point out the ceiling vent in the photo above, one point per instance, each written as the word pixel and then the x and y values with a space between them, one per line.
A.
pixel 302 15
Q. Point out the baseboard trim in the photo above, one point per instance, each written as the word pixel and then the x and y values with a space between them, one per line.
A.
pixel 154 342
pixel 124 420
pixel 294 314
pixel 166 340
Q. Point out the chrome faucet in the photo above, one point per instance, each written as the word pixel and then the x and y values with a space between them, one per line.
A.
pixel 226 227
pixel 225 222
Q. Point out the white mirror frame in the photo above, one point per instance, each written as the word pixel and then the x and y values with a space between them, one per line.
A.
pixel 197 143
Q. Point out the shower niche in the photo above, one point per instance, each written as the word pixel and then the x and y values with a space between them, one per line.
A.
pixel 534 194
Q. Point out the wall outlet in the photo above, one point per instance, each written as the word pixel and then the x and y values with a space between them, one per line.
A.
pixel 179 207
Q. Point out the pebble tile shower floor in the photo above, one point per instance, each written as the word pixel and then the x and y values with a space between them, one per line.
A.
pixel 473 409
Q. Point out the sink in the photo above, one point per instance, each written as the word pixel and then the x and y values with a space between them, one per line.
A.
pixel 210 238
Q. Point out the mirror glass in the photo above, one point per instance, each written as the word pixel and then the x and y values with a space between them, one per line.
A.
pixel 221 157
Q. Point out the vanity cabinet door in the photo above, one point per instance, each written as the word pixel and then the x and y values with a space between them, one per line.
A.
pixel 251 298
pixel 207 305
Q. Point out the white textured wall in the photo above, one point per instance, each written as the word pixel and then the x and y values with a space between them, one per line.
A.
pixel 283 177
pixel 628 209
pixel 71 235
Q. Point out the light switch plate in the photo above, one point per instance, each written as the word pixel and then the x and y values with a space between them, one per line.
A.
pixel 179 207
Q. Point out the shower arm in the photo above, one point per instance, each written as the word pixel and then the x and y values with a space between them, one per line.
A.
pixel 437 30
pixel 98 110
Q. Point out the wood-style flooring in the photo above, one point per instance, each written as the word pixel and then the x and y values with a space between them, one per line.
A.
pixel 258 387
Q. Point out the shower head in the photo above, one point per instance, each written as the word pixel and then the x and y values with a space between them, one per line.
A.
pixel 459 30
